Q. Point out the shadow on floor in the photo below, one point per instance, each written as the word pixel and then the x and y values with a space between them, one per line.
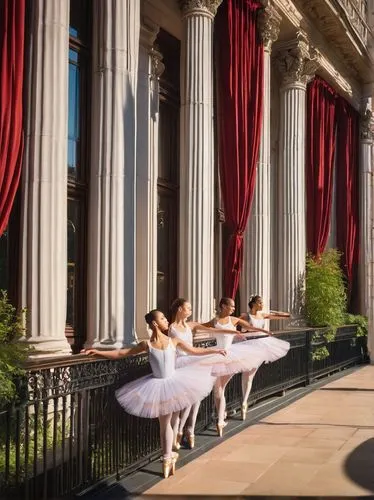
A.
pixel 359 465
pixel 346 389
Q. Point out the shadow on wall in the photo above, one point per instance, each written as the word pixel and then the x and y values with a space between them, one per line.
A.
pixel 359 465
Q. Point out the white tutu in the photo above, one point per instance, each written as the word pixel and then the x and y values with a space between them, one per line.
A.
pixel 247 355
pixel 151 397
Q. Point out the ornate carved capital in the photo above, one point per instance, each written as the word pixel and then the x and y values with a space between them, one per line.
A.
pixel 366 126
pixel 269 26
pixel 157 66
pixel 191 7
pixel 297 61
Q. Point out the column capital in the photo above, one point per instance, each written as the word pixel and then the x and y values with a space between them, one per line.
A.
pixel 269 26
pixel 366 126
pixel 297 61
pixel 194 7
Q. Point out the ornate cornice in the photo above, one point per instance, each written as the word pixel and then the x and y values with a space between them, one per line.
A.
pixel 191 7
pixel 269 26
pixel 297 61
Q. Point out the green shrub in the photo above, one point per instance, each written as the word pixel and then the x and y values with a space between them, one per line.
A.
pixel 325 293
pixel 13 352
pixel 360 321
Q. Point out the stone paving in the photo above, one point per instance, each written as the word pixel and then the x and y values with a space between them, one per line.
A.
pixel 322 444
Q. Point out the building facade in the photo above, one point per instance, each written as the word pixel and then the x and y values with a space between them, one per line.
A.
pixel 119 207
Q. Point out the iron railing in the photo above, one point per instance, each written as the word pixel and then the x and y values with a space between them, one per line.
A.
pixel 69 433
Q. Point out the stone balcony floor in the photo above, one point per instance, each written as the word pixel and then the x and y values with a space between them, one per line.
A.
pixel 320 445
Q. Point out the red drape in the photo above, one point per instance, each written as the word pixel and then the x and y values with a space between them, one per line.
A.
pixel 12 25
pixel 240 93
pixel 347 187
pixel 321 123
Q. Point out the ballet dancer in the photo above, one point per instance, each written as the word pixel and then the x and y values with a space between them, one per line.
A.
pixel 249 354
pixel 180 311
pixel 167 390
pixel 256 317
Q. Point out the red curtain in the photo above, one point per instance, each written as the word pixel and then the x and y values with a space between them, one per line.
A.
pixel 347 188
pixel 240 93
pixel 321 123
pixel 12 25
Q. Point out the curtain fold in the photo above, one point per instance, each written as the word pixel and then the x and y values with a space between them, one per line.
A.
pixel 321 129
pixel 347 188
pixel 12 31
pixel 240 68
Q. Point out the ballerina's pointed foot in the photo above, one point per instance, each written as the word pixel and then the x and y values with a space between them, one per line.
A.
pixel 178 440
pixel 191 441
pixel 244 410
pixel 220 427
pixel 168 465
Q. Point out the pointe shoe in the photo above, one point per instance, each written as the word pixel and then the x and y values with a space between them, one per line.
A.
pixel 244 410
pixel 168 467
pixel 178 440
pixel 191 441
pixel 220 427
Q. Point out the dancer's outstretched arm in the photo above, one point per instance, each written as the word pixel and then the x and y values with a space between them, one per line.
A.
pixel 248 326
pixel 209 328
pixel 117 353
pixel 276 315
pixel 198 351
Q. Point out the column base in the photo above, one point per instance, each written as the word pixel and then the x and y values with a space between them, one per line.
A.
pixel 48 347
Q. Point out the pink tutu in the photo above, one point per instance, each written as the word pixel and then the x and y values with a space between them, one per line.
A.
pixel 151 397
pixel 247 355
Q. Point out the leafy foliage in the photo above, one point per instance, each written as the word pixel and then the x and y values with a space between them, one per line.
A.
pixel 360 321
pixel 13 351
pixel 325 294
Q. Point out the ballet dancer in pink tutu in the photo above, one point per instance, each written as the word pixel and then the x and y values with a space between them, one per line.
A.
pixel 167 390
pixel 255 317
pixel 244 356
pixel 181 328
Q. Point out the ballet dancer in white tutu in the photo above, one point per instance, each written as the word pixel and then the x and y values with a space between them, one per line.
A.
pixel 180 311
pixel 167 390
pixel 244 356
pixel 255 317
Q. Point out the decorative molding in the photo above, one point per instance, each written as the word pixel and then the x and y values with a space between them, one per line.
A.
pixel 221 215
pixel 157 66
pixel 366 131
pixel 297 61
pixel 148 32
pixel 193 7
pixel 269 26
pixel 289 10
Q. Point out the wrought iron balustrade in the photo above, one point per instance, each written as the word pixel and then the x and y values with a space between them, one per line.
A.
pixel 68 432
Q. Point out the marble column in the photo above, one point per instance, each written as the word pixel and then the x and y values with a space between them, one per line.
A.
pixel 371 266
pixel 297 66
pixel 44 179
pixel 196 243
pixel 366 262
pixel 150 70
pixel 255 276
pixel 112 208
pixel 366 172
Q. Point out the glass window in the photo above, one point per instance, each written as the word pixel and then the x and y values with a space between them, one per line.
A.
pixel 78 166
